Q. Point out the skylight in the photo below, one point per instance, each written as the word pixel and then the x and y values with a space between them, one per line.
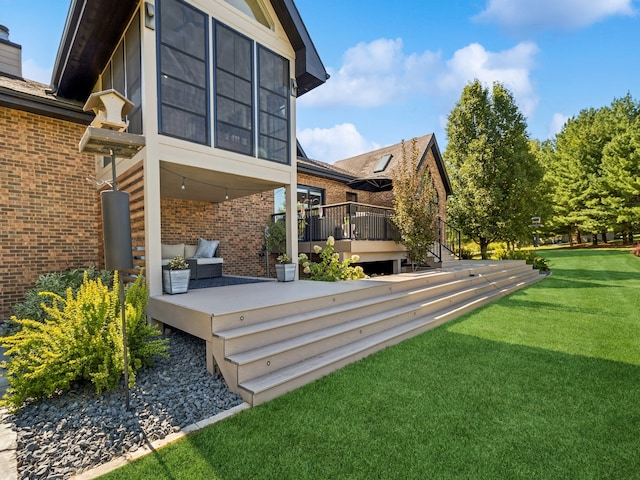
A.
pixel 383 163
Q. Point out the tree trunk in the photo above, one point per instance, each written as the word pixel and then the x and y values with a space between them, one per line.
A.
pixel 604 237
pixel 630 238
pixel 594 239
pixel 578 237
pixel 484 244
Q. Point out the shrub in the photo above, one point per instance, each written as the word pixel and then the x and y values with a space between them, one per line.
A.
pixel 56 283
pixel 80 339
pixel 529 256
pixel 330 268
pixel 466 254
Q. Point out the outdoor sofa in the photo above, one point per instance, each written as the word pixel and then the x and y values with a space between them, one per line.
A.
pixel 201 258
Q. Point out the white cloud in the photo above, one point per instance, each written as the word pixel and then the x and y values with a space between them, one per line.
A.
pixel 335 143
pixel 542 14
pixel 374 74
pixel 380 73
pixel 510 67
pixel 32 71
pixel 557 122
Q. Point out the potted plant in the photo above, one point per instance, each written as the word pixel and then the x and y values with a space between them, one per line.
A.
pixel 285 268
pixel 276 240
pixel 176 276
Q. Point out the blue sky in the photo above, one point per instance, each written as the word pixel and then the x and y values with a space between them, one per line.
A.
pixel 398 68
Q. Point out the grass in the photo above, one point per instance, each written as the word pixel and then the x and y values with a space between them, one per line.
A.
pixel 542 384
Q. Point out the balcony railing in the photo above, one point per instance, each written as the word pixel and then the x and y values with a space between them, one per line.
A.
pixel 358 221
pixel 345 221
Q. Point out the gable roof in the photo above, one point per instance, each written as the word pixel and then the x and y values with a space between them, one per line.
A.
pixel 93 29
pixel 364 167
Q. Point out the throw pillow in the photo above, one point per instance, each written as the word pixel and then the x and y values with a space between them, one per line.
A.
pixel 206 248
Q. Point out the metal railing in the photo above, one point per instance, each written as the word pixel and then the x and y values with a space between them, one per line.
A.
pixel 358 221
pixel 350 221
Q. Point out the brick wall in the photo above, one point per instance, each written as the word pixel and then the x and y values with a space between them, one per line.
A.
pixel 48 210
pixel 238 224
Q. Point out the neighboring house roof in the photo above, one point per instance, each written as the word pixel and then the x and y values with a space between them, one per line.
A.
pixel 30 96
pixel 376 168
pixel 93 29
pixel 324 170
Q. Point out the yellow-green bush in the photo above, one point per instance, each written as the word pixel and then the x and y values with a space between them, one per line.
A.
pixel 81 339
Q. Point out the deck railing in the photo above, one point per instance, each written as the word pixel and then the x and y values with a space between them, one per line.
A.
pixel 358 221
pixel 450 238
pixel 344 221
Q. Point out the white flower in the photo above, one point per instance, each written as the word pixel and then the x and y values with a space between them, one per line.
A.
pixel 302 257
pixel 336 256
pixel 306 270
pixel 331 241
pixel 317 248
pixel 355 258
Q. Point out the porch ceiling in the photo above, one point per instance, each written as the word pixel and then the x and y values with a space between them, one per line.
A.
pixel 206 185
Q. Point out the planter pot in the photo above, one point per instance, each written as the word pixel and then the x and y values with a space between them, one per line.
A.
pixel 286 272
pixel 176 281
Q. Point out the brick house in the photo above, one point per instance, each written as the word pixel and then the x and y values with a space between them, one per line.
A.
pixel 214 84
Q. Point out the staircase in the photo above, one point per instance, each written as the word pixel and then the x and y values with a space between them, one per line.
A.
pixel 264 353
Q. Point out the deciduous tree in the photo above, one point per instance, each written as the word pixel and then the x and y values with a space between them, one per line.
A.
pixel 494 173
pixel 414 210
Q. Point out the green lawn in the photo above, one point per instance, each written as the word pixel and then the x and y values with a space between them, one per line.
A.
pixel 542 384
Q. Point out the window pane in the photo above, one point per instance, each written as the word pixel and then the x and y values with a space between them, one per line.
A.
pixel 273 76
pixel 182 27
pixel 181 124
pixel 183 70
pixel 233 52
pixel 187 97
pixel 179 65
pixel 106 78
pixel 118 70
pixel 233 138
pixel 274 127
pixel 252 9
pixel 233 87
pixel 134 76
pixel 234 91
pixel 234 113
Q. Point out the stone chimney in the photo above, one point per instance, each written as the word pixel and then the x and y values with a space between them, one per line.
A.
pixel 10 55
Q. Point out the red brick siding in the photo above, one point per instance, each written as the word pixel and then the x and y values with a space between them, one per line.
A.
pixel 238 224
pixel 48 218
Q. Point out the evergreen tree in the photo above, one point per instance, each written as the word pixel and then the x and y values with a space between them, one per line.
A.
pixel 586 194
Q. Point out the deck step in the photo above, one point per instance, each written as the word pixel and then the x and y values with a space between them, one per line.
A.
pixel 277 355
pixel 272 356
pixel 252 336
pixel 271 385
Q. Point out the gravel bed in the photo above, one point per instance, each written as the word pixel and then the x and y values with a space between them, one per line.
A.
pixel 78 430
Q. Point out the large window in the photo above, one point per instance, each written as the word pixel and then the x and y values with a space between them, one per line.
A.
pixel 251 86
pixel 273 76
pixel 183 72
pixel 234 91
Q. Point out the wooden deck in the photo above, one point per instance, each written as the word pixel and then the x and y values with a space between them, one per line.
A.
pixel 268 338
